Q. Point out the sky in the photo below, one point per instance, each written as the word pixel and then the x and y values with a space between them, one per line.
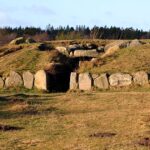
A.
pixel 40 13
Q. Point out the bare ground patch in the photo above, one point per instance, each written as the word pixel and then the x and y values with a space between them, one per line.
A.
pixel 102 135
pixel 144 142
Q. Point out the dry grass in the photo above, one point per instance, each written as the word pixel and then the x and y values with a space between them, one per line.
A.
pixel 125 60
pixel 76 121
pixel 26 58
pixel 81 41
pixel 29 58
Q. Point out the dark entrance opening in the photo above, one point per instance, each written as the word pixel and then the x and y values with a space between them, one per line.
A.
pixel 58 74
pixel 58 82
pixel 58 78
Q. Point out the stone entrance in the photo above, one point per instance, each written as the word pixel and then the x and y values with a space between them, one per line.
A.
pixel 58 78
pixel 58 82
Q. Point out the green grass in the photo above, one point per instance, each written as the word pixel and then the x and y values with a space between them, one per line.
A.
pixel 66 121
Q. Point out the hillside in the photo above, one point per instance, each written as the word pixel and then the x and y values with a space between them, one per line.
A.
pixel 29 57
pixel 26 58
pixel 125 60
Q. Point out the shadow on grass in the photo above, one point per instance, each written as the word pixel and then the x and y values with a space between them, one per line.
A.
pixel 32 112
pixel 32 99
pixel 5 128
pixel 32 108
pixel 32 105
pixel 35 105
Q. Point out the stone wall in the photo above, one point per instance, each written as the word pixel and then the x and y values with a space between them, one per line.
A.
pixel 83 81
pixel 27 80
pixel 41 80
pixel 87 81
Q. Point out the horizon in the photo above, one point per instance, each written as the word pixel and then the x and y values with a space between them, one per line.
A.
pixel 100 13
pixel 59 26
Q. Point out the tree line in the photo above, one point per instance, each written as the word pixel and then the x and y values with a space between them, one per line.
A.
pixel 71 33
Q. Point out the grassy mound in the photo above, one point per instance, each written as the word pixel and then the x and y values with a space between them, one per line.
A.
pixel 125 60
pixel 28 57
pixel 24 57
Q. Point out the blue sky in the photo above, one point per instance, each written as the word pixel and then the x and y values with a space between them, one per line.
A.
pixel 39 13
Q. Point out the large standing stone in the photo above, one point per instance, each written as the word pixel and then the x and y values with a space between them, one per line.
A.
pixel 113 47
pixel 86 53
pixel 135 43
pixel 101 82
pixel 28 79
pixel 140 78
pixel 85 81
pixel 62 50
pixel 120 80
pixel 117 44
pixel 41 80
pixel 1 83
pixel 14 80
pixel 73 81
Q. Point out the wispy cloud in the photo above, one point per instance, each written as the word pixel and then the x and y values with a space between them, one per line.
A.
pixel 37 9
pixel 40 9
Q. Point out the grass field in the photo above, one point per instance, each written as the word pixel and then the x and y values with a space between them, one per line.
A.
pixel 75 121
